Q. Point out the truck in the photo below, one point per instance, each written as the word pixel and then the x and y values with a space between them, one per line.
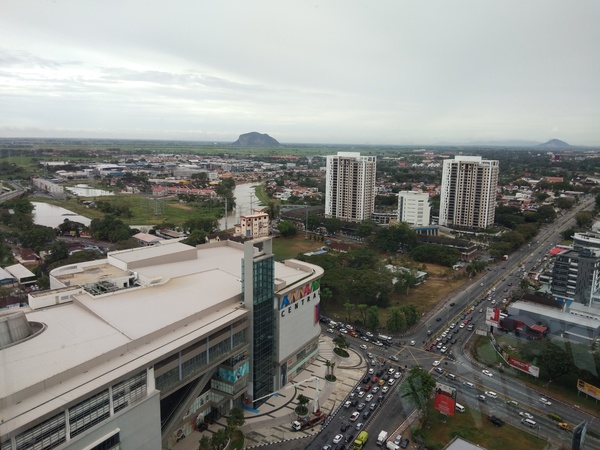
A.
pixel 383 435
pixel 361 440
pixel 504 257
pixel 308 422
pixel 384 338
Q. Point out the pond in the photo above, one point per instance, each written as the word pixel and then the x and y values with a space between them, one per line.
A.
pixel 52 215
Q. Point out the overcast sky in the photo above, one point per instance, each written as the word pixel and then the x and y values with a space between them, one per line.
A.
pixel 324 71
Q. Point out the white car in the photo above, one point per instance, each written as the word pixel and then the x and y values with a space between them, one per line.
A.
pixel 385 389
pixel 361 394
pixel 329 330
pixel 369 334
pixel 397 375
pixel 545 401
pixel 347 404
pixel 338 438
pixel 363 346
pixel 487 372
pixel 359 426
pixel 435 363
pixel 368 398
pixel 526 415
pixel 354 416
pixel 491 394
pixel 412 342
pixel 444 349
pixel 391 381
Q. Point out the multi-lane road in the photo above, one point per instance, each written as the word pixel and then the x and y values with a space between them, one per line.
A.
pixel 470 381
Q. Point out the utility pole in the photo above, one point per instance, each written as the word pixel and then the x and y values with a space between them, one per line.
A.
pixel 226 214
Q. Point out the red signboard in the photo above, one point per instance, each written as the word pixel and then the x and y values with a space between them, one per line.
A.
pixel 445 399
pixel 524 366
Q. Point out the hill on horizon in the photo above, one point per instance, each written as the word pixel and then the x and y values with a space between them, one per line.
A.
pixel 255 139
pixel 554 143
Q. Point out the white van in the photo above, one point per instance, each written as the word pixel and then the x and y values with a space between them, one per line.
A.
pixel 469 385
pixel 459 408
pixel 451 376
pixel 391 446
pixel 530 423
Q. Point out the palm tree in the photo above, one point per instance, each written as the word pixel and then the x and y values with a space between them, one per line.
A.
pixel 303 400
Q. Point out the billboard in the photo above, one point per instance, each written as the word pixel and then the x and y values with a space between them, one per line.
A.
pixel 588 389
pixel 492 317
pixel 445 399
pixel 579 432
pixel 524 366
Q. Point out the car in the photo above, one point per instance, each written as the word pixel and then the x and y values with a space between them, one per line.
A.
pixel 469 385
pixel 363 346
pixel 398 439
pixel 545 401
pixel 364 338
pixel 491 394
pixel 347 404
pixel 349 437
pixel 367 388
pixel 373 406
pixel 354 403
pixel 338 438
pixel 343 330
pixel 391 381
pixel 370 355
pixel 354 416
pixel 452 304
pixel 439 319
pixel 369 334
pixel 371 371
pixel 327 447
pixel 397 375
pixel 405 443
pixel 344 427
pixel 366 415
pixel 374 380
pixel 358 426
pixel 462 325
pixel 375 389
pixel 379 343
pixel 439 370
pixel 429 332
pixel 368 398
pixel 444 349
pixel 481 398
pixel 435 363
pixel 487 373
pixel 379 373
pixel 384 389
pixel 361 394
pixel 361 406
pixel 381 382
pixel 329 330
pixel 391 371
pixel 412 342
pixel 365 380
pixel 394 358
pixel 526 415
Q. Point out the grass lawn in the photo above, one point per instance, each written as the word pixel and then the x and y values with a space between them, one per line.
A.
pixel 474 427
pixel 286 248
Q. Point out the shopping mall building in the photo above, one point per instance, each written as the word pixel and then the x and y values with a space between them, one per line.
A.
pixel 138 349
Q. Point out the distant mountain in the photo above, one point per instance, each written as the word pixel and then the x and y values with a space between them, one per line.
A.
pixel 506 143
pixel 554 143
pixel 254 139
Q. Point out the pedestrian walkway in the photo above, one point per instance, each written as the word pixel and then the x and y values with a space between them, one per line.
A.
pixel 272 421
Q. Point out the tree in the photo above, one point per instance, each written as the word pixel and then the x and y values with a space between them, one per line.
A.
pixel 348 307
pixel 204 443
pixel 373 317
pixel 362 309
pixel 395 322
pixel 366 228
pixel 196 237
pixel 411 315
pixel 301 409
pixel 220 438
pixel 584 219
pixel 236 418
pixel 333 225
pixel 555 361
pixel 313 222
pixel 287 228
pixel 564 203
pixel 547 213
pixel 340 342
pixel 418 387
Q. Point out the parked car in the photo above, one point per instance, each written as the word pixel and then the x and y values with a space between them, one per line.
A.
pixel 405 443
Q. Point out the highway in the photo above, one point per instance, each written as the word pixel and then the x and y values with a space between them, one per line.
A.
pixel 393 410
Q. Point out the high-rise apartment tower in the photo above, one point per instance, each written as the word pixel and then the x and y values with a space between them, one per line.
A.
pixel 350 192
pixel 468 192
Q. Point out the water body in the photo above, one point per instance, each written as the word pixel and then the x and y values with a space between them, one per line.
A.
pixel 52 215
pixel 246 202
pixel 83 190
